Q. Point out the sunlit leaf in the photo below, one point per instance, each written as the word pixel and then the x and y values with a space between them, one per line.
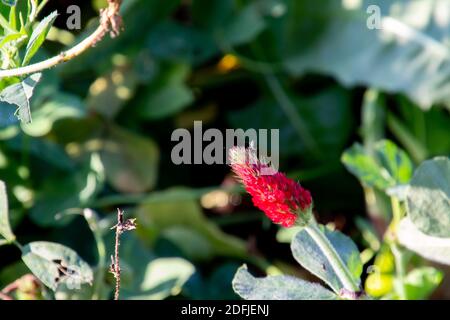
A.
pixel 306 251
pixel 5 227
pixel 421 282
pixel 432 248
pixel 386 166
pixel 20 94
pixel 38 36
pixel 428 197
pixel 54 263
pixel 278 288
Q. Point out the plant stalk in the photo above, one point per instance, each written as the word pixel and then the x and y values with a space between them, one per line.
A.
pixel 400 271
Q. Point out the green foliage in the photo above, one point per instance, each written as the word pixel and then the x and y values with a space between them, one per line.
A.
pixel 61 192
pixel 432 248
pixel 38 36
pixel 421 282
pixel 10 3
pixel 428 197
pixel 53 264
pixel 311 256
pixel 5 228
pixel 326 118
pixel 182 223
pixel 100 138
pixel 326 254
pixel 147 276
pixel 379 59
pixel 20 94
pixel 130 161
pixel 169 90
pixel 278 288
pixel 387 167
pixel 163 277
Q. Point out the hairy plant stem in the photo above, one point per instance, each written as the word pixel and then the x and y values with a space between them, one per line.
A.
pixel 109 22
pixel 117 266
pixel 333 258
pixel 400 270
pixel 120 227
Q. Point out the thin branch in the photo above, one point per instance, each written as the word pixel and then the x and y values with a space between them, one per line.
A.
pixel 120 227
pixel 110 21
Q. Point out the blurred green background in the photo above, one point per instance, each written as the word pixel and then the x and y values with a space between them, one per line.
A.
pixel 102 124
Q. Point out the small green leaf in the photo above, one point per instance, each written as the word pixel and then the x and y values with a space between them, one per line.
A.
pixel 421 282
pixel 387 167
pixel 5 227
pixel 278 288
pixel 20 94
pixel 395 161
pixel 364 167
pixel 38 36
pixel 306 251
pixel 13 18
pixel 428 197
pixel 53 264
pixel 432 248
pixel 32 9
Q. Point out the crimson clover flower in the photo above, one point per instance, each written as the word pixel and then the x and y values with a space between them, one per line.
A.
pixel 282 199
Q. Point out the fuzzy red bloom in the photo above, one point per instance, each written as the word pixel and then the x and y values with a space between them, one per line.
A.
pixel 279 197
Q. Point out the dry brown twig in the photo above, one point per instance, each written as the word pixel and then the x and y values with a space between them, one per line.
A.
pixel 110 21
pixel 121 227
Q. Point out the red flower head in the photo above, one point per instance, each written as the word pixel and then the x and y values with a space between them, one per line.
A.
pixel 283 200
